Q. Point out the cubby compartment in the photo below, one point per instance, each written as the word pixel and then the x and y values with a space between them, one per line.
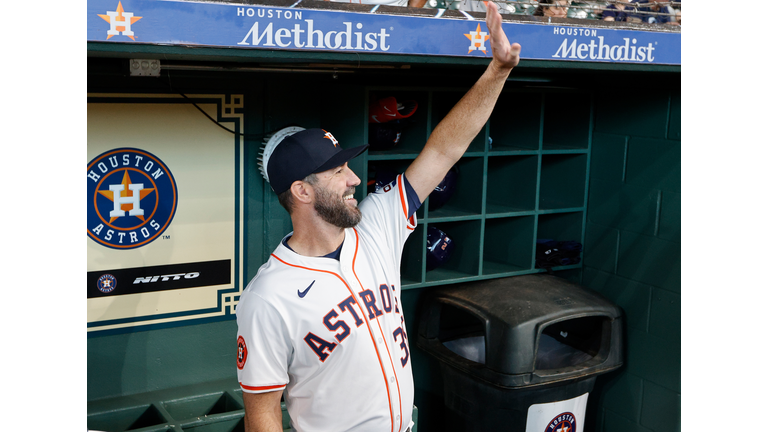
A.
pixel 563 181
pixel 126 419
pixel 202 405
pixel 511 184
pixel 228 425
pixel 515 123
pixel 413 130
pixel 467 198
pixel 524 177
pixel 412 261
pixel 386 170
pixel 508 245
pixel 566 121
pixel 561 226
pixel 442 103
pixel 464 261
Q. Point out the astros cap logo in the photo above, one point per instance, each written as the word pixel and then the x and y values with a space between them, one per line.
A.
pixel 132 198
pixel 331 137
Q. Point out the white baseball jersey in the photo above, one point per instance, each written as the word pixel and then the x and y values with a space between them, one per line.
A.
pixel 331 333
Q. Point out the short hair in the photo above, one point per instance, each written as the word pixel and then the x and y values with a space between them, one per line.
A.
pixel 286 198
pixel 545 3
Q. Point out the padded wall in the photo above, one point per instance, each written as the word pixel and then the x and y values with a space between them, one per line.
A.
pixel 632 255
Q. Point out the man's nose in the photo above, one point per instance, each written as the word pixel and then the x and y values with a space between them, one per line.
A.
pixel 353 179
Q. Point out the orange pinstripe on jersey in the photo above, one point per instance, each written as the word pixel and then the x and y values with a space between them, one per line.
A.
pixel 397 381
pixel 404 201
pixel 365 316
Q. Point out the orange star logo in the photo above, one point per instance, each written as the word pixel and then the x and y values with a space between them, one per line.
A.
pixel 120 22
pixel 110 195
pixel 477 40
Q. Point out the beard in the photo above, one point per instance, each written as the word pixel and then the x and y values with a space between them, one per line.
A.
pixel 333 210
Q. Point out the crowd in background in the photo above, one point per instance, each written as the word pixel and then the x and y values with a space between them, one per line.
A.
pixel 637 11
pixel 647 11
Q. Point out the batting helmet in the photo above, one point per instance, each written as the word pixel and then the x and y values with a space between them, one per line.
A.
pixel 388 109
pixel 381 176
pixel 439 247
pixel 443 191
pixel 384 136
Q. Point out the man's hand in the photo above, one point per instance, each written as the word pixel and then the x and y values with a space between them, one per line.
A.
pixel 505 55
pixel 450 139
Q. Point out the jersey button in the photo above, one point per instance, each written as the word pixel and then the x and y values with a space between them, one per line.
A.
pixel 380 341
pixel 391 379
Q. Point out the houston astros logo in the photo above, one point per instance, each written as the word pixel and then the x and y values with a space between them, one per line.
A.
pixel 132 198
pixel 477 40
pixel 120 22
pixel 242 352
pixel 106 283
pixel 565 422
pixel 329 136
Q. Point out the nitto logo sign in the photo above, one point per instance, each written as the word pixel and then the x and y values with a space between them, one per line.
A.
pixel 132 198
pixel 286 29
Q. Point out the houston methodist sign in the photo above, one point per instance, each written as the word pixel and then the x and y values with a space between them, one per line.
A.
pixel 187 23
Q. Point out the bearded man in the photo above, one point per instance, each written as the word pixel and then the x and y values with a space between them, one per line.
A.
pixel 321 323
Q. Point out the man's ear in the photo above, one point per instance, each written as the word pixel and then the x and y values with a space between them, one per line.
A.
pixel 302 192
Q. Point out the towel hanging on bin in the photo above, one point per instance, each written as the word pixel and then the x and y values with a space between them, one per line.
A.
pixel 551 253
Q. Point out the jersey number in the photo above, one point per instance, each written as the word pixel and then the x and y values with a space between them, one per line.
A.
pixel 403 344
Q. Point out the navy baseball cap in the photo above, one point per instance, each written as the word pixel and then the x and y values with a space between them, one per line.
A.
pixel 303 153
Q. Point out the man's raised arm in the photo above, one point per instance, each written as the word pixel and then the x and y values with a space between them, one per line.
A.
pixel 453 134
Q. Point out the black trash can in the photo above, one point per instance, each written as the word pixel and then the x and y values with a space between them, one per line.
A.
pixel 520 353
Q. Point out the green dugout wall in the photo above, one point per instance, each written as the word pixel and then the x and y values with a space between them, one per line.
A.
pixel 591 150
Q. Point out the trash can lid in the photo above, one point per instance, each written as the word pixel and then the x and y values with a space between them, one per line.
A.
pixel 513 312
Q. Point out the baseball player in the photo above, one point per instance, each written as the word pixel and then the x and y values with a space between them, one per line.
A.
pixel 321 324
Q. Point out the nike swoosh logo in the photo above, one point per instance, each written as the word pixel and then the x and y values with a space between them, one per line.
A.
pixel 303 293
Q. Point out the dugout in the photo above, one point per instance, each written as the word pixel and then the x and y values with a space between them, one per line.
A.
pixel 576 150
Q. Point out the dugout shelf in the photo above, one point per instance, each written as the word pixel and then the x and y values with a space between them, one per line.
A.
pixel 216 406
pixel 524 177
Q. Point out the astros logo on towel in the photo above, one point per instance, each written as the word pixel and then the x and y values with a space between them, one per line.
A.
pixel 132 198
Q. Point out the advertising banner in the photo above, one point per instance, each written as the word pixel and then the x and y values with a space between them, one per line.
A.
pixel 163 209
pixel 293 28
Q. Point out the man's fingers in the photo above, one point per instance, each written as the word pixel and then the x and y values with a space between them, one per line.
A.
pixel 508 55
pixel 491 7
pixel 492 17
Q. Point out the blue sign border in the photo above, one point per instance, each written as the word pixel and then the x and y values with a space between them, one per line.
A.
pixel 185 23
